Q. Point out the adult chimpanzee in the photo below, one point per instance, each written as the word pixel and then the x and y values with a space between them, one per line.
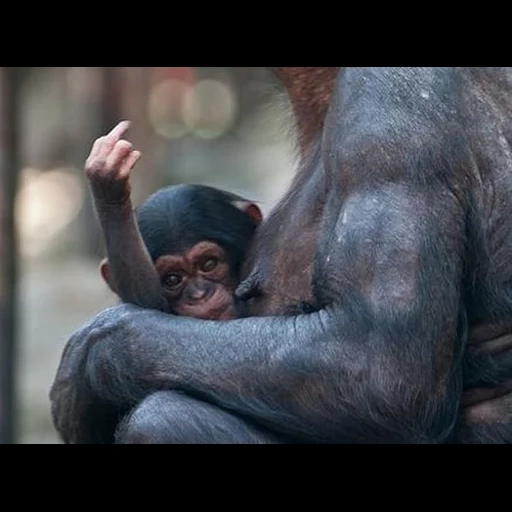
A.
pixel 397 229
pixel 183 249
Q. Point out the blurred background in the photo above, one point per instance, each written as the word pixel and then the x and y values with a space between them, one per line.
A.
pixel 226 127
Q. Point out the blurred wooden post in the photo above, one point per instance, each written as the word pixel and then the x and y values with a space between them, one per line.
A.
pixel 9 170
pixel 110 99
pixel 105 117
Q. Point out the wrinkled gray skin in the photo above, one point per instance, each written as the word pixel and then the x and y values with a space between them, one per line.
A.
pixel 397 232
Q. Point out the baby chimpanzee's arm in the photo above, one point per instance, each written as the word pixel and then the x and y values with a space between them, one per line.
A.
pixel 128 269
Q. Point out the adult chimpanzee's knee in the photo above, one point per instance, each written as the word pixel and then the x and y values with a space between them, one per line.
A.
pixel 169 417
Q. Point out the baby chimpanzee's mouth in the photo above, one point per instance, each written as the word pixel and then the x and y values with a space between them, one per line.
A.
pixel 227 312
pixel 219 306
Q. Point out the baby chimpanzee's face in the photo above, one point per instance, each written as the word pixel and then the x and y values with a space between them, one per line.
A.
pixel 199 283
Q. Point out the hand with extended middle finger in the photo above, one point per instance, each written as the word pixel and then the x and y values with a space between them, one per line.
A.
pixel 109 165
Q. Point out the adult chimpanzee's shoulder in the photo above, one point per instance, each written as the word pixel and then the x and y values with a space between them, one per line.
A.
pixel 399 125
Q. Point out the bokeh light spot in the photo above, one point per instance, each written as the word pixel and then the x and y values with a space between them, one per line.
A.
pixel 48 202
pixel 165 108
pixel 210 108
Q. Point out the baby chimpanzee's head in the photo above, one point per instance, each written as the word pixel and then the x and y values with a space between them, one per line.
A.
pixel 198 237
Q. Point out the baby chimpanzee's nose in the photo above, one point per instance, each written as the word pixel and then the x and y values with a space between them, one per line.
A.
pixel 199 290
pixel 197 294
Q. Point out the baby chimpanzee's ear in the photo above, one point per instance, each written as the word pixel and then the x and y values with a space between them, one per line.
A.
pixel 105 273
pixel 251 209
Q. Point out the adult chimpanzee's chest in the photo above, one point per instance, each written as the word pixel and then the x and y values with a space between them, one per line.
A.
pixel 280 266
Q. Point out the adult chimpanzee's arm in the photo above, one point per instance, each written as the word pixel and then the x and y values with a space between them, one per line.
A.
pixel 378 364
pixel 129 271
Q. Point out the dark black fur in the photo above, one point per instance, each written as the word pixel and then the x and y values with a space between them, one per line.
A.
pixel 175 218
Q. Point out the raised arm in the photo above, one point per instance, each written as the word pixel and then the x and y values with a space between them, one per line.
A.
pixel 128 269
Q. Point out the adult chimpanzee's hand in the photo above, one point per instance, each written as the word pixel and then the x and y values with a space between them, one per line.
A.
pixel 81 412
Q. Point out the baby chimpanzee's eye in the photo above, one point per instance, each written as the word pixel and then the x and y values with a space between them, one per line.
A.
pixel 209 264
pixel 172 280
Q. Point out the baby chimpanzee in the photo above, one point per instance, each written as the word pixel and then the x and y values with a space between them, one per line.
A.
pixel 182 250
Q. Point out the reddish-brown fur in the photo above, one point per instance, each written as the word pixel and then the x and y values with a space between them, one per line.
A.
pixel 310 91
